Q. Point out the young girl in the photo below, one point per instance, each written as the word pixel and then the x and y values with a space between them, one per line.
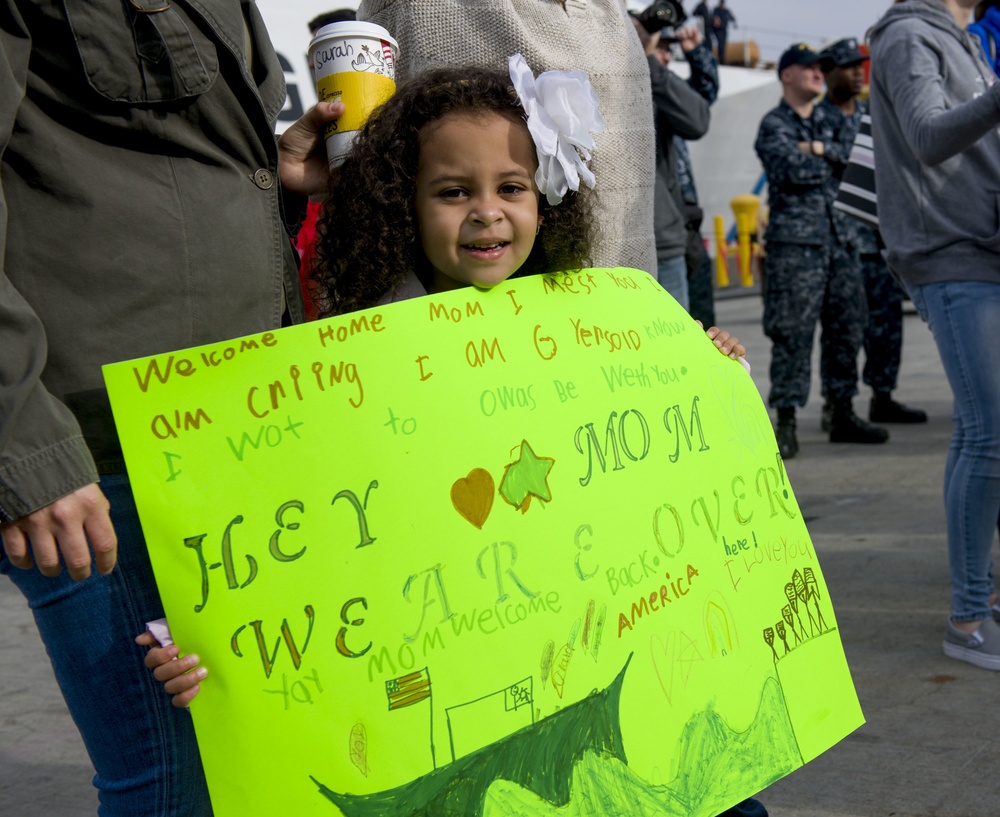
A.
pixel 441 191
pixel 444 189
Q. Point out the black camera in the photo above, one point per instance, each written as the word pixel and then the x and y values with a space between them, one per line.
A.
pixel 662 14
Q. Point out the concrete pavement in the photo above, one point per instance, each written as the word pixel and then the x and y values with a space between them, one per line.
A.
pixel 876 518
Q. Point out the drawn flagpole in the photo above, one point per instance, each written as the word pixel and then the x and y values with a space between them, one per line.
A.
pixel 411 689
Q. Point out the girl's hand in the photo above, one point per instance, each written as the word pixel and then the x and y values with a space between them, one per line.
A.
pixel 728 344
pixel 180 676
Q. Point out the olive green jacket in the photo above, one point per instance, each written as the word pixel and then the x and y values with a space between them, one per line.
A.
pixel 139 212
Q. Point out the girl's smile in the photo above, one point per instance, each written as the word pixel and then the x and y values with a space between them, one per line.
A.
pixel 486 252
pixel 476 200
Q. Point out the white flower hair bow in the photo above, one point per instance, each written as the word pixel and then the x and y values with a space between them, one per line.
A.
pixel 562 114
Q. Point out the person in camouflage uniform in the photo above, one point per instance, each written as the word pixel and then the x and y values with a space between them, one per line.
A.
pixel 812 271
pixel 843 71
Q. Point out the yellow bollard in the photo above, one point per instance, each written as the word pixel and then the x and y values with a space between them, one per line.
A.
pixel 746 208
pixel 721 265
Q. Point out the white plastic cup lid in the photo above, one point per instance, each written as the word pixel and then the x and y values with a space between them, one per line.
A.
pixel 353 28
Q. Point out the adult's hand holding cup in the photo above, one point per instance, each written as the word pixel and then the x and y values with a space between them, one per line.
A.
pixel 353 62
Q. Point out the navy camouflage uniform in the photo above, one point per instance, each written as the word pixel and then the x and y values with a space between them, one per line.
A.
pixel 846 225
pixel 812 268
pixel 884 334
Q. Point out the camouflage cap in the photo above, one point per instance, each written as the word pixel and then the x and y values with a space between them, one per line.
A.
pixel 842 52
pixel 797 54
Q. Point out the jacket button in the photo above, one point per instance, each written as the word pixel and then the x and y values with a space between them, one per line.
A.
pixel 264 179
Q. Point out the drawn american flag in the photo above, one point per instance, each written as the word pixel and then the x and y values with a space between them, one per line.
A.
pixel 409 689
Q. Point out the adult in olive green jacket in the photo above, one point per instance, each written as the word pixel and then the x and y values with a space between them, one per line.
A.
pixel 140 212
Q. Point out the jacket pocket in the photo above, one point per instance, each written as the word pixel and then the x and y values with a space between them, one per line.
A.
pixel 141 51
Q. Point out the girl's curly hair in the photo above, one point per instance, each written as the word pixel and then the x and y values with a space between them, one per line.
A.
pixel 367 235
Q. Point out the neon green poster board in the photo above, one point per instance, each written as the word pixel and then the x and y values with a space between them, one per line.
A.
pixel 530 551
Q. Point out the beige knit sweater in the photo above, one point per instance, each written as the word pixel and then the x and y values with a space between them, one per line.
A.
pixel 592 35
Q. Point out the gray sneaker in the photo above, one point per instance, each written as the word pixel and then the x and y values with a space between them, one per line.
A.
pixel 981 648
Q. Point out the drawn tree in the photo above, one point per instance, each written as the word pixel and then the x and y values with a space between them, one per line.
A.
pixel 803 595
pixel 779 628
pixel 769 638
pixel 786 614
pixel 812 588
pixel 793 603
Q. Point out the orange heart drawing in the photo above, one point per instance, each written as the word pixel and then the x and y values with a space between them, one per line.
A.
pixel 473 495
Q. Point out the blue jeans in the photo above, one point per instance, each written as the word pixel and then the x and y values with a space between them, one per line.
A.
pixel 142 748
pixel 673 277
pixel 963 316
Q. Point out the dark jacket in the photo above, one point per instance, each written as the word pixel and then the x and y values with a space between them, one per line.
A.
pixel 702 11
pixel 845 131
pixel 721 18
pixel 801 186
pixel 142 213
pixel 680 110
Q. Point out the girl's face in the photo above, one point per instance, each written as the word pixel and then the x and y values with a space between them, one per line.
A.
pixel 477 204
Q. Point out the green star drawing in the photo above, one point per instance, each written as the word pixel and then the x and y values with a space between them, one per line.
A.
pixel 526 477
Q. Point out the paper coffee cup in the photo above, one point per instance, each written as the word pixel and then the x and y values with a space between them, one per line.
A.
pixel 354 62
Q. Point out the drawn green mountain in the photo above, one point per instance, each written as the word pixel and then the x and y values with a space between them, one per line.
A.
pixel 717 763
pixel 573 764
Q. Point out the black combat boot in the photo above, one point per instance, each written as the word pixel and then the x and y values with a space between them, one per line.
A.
pixel 788 445
pixel 826 423
pixel 884 409
pixel 847 427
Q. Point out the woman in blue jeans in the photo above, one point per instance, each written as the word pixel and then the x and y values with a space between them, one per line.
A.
pixel 935 114
pixel 102 678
